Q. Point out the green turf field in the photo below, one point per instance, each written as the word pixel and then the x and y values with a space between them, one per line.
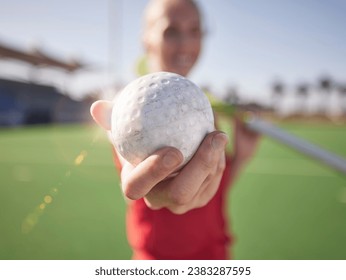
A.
pixel 60 199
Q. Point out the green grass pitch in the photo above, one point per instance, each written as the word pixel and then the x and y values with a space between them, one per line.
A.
pixel 60 198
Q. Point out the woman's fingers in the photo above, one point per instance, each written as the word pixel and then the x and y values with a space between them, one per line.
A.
pixel 196 183
pixel 193 187
pixel 138 181
pixel 190 179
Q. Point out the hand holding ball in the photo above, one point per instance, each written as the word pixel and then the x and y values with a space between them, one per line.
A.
pixel 159 110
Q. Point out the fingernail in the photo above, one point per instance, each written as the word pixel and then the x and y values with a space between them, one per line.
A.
pixel 219 141
pixel 171 160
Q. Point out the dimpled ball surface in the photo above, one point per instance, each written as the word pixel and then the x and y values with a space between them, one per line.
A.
pixel 158 110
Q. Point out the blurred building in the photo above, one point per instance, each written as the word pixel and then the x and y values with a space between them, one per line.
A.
pixel 30 102
pixel 24 103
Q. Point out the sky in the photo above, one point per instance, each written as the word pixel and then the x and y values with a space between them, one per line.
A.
pixel 249 43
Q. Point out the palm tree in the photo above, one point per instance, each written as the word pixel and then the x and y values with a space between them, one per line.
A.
pixel 302 94
pixel 325 85
pixel 278 91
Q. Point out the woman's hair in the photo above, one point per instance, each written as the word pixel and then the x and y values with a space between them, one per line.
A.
pixel 153 5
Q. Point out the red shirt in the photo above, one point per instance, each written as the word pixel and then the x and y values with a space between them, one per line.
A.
pixel 198 234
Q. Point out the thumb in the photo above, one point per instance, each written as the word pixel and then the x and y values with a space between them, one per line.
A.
pixel 101 111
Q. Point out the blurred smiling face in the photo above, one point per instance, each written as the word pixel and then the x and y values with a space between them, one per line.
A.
pixel 173 36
